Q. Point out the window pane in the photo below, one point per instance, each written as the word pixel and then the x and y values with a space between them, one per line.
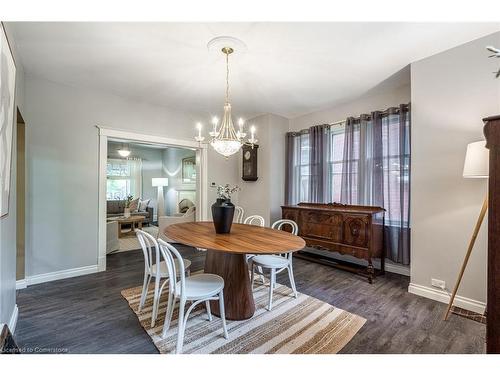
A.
pixel 117 189
pixel 118 168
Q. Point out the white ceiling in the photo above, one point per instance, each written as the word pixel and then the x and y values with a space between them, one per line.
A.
pixel 289 69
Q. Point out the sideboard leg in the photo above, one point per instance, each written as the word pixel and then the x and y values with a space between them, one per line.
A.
pixel 370 271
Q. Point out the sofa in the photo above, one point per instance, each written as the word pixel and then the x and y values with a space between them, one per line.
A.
pixel 116 208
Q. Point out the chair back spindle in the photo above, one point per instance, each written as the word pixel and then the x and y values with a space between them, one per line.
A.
pixel 279 224
pixel 239 213
pixel 255 220
pixel 170 254
pixel 148 242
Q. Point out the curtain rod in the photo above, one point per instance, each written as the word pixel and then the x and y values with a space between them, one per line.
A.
pixel 394 110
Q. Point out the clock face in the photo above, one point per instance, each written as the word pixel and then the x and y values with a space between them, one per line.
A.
pixel 247 155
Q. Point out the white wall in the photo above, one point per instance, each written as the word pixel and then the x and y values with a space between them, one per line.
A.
pixel 62 143
pixel 450 92
pixel 266 195
pixel 8 223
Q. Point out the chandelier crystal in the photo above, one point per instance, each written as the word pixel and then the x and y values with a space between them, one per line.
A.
pixel 224 138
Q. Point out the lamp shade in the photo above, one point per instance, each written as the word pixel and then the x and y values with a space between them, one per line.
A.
pixel 159 181
pixel 476 160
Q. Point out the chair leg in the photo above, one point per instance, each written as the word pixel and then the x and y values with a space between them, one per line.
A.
pixel 209 313
pixel 156 301
pixel 252 276
pixel 145 285
pixel 181 327
pixel 271 287
pixel 188 272
pixel 262 278
pixel 168 314
pixel 223 314
pixel 292 280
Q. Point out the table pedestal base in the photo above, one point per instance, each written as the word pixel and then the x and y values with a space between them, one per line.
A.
pixel 238 296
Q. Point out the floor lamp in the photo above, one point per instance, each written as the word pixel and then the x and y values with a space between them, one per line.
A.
pixel 160 182
pixel 476 166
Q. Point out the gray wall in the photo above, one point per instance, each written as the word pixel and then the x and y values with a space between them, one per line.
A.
pixel 378 98
pixel 265 196
pixel 62 142
pixel 451 93
pixel 8 223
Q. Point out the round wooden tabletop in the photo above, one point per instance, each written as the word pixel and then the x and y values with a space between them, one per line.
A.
pixel 243 239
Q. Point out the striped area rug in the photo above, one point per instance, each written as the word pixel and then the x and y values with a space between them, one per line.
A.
pixel 304 325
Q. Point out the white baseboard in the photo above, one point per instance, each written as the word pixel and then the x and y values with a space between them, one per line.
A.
pixel 442 296
pixel 21 284
pixel 101 264
pixel 58 275
pixel 13 319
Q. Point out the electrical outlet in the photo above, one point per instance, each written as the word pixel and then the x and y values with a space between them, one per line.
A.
pixel 438 283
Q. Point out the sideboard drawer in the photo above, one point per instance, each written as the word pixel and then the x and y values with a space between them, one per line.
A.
pixel 323 231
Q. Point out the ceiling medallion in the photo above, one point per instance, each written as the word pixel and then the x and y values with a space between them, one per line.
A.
pixel 224 138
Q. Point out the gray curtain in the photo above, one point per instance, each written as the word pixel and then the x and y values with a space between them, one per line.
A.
pixel 289 172
pixel 317 164
pixel 396 183
pixel 350 161
pixel 376 171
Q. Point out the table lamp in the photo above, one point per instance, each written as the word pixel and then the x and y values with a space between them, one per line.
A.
pixel 476 166
pixel 160 182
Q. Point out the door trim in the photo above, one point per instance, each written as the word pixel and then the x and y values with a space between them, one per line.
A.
pixel 201 168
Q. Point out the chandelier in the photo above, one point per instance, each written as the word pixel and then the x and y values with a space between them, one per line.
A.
pixel 224 138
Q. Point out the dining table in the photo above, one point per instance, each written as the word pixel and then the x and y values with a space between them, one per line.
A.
pixel 226 256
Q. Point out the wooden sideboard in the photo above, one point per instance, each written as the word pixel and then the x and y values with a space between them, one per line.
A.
pixel 346 229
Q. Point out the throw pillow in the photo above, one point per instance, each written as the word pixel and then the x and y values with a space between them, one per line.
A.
pixel 143 204
pixel 134 204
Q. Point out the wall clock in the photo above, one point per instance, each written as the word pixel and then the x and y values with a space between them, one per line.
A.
pixel 249 169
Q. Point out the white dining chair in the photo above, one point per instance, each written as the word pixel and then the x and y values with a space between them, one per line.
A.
pixel 239 213
pixel 196 289
pixel 275 263
pixel 151 270
pixel 255 220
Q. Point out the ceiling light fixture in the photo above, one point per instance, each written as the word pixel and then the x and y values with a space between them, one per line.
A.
pixel 224 138
pixel 124 152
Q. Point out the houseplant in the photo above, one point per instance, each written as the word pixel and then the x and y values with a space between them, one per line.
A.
pixel 128 200
pixel 223 209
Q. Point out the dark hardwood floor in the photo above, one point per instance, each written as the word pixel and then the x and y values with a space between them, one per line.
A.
pixel 87 314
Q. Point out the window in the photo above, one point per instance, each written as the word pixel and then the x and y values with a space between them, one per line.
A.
pixel 301 169
pixel 335 142
pixel 359 167
pixel 123 178
pixel 396 177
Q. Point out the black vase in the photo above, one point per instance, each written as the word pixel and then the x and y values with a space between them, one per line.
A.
pixel 222 214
